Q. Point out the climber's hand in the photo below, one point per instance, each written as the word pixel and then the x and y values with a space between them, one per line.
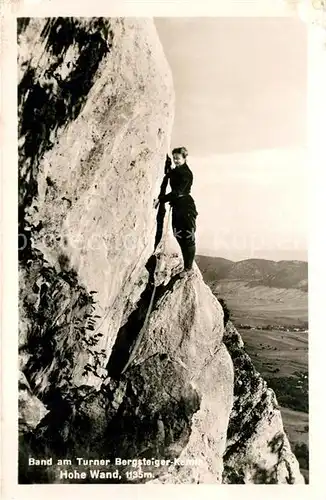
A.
pixel 168 163
pixel 156 202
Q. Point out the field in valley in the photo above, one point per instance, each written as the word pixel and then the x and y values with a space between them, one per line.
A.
pixel 273 324
pixel 262 305
pixel 275 352
pixel 282 359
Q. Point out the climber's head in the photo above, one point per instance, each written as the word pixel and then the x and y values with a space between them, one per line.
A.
pixel 179 156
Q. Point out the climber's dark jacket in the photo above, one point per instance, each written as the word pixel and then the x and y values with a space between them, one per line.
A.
pixel 184 210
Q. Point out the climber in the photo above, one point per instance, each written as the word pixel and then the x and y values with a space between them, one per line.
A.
pixel 184 210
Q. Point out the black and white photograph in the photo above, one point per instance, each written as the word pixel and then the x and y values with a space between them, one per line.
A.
pixel 163 250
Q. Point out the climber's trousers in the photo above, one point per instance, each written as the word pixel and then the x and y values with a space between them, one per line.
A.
pixel 186 240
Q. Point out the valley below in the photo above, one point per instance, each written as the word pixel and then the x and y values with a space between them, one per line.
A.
pixel 273 323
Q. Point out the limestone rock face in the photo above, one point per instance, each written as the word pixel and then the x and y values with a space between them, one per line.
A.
pixel 96 108
pixel 31 409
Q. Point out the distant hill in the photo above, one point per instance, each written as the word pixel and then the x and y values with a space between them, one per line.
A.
pixel 213 268
pixel 281 274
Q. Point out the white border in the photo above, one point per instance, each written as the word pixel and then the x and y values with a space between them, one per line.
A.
pixel 317 138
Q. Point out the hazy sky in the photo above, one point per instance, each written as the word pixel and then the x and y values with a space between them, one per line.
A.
pixel 240 87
